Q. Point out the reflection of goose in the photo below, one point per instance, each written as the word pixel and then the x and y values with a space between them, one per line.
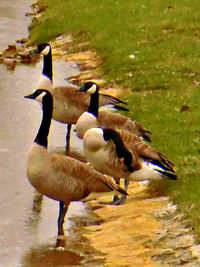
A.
pixel 34 216
pixel 121 154
pixel 93 118
pixel 68 106
pixel 57 176
pixel 36 209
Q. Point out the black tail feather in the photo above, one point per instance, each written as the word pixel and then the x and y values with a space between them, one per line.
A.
pixel 171 175
pixel 120 108
pixel 142 128
pixel 146 137
pixel 122 191
pixel 119 189
pixel 114 99
pixel 163 163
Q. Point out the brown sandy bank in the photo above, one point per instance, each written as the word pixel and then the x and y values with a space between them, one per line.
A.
pixel 147 231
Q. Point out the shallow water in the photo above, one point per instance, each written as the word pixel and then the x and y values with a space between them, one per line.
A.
pixel 28 223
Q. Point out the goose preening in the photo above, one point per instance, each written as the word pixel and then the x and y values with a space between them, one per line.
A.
pixel 68 106
pixel 60 177
pixel 93 118
pixel 121 154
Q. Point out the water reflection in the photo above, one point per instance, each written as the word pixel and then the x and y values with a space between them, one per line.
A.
pixel 32 220
pixel 35 214
pixel 28 221
pixel 45 255
pixel 13 22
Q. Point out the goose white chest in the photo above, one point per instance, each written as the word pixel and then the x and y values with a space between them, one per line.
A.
pixel 86 121
pixel 36 162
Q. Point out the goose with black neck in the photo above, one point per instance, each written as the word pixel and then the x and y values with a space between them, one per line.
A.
pixel 125 155
pixel 60 177
pixel 68 106
pixel 95 118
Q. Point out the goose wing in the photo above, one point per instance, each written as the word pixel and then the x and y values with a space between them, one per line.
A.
pixel 126 163
pixel 68 94
pixel 84 176
pixel 118 121
pixel 136 144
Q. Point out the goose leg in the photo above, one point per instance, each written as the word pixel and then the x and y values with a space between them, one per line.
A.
pixel 67 148
pixel 123 198
pixel 61 219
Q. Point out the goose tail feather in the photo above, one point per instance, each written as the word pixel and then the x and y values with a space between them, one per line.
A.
pixel 113 99
pixel 116 187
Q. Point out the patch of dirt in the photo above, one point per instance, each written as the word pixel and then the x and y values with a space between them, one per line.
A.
pixel 146 231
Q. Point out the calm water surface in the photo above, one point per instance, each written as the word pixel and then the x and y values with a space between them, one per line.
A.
pixel 23 224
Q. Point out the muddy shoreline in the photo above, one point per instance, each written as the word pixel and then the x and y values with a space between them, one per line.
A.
pixel 148 230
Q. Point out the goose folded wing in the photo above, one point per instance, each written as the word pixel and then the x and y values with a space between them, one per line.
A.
pixel 145 151
pixel 71 169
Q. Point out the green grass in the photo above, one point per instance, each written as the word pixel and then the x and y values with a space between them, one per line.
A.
pixel 177 135
pixel 164 37
pixel 164 40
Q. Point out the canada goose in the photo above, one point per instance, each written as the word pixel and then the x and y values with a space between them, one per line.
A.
pixel 68 106
pixel 93 118
pixel 60 177
pixel 121 154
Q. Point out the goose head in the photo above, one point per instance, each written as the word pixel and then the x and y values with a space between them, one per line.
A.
pixel 89 87
pixel 39 95
pixel 42 49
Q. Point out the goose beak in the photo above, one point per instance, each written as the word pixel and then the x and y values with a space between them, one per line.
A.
pixel 31 96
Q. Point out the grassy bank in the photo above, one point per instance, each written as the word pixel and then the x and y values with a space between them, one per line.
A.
pixel 164 37
pixel 163 76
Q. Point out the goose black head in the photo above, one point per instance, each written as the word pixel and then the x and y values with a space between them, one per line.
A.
pixel 89 87
pixel 43 49
pixel 39 94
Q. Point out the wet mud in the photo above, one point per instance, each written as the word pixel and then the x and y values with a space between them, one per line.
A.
pixel 148 230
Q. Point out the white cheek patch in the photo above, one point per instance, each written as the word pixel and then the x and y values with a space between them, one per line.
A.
pixel 92 90
pixel 39 98
pixel 46 50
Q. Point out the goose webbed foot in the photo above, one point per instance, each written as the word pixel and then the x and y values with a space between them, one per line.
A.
pixel 116 201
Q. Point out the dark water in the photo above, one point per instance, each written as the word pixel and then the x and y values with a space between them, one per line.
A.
pixel 27 229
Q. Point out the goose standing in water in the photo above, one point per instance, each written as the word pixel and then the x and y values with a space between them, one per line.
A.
pixel 93 118
pixel 60 177
pixel 68 106
pixel 121 154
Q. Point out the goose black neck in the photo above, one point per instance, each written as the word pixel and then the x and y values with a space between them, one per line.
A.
pixel 47 66
pixel 94 104
pixel 43 132
pixel 121 150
